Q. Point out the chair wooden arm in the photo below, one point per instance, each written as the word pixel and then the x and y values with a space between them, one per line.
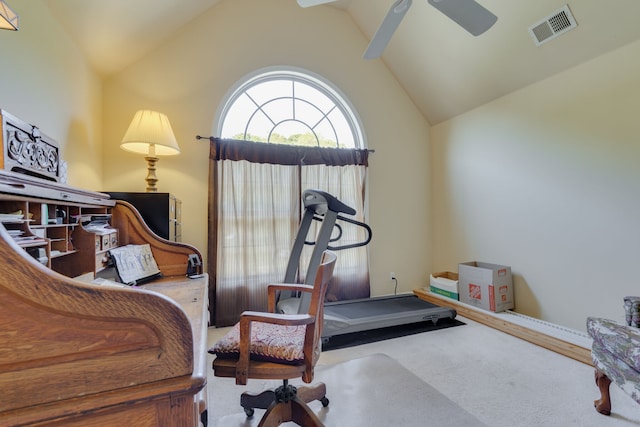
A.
pixel 276 318
pixel 275 287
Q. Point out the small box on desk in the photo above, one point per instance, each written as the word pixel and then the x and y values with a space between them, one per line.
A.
pixel 444 283
pixel 106 241
pixel 113 239
pixel 486 286
pixel 105 238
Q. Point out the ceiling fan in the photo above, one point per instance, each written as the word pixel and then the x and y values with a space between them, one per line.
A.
pixel 469 14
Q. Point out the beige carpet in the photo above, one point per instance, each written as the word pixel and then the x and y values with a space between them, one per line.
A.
pixel 364 393
pixel 498 379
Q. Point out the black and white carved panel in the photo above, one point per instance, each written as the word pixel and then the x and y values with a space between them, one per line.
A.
pixel 26 150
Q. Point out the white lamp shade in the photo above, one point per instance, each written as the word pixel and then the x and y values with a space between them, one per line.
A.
pixel 150 133
pixel 8 18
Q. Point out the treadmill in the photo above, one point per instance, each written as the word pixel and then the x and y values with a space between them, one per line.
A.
pixel 349 316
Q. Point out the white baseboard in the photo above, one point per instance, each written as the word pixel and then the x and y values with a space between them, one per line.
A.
pixel 573 336
pixel 566 341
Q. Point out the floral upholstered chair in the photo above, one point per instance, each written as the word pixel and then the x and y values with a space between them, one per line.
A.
pixel 616 354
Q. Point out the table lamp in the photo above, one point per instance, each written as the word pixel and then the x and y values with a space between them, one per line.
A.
pixel 150 133
pixel 9 20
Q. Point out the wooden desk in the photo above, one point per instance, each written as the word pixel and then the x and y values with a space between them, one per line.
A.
pixel 77 354
pixel 193 296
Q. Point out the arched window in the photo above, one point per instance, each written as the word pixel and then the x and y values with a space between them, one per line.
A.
pixel 256 204
pixel 290 106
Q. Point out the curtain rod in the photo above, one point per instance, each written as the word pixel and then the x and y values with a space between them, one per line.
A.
pixel 211 138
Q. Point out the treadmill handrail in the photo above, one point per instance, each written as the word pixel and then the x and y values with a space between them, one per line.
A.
pixel 335 239
pixel 353 245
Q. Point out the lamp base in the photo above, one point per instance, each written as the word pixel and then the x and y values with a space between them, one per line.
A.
pixel 151 174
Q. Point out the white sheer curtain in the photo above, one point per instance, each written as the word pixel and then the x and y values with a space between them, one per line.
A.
pixel 257 206
pixel 255 210
pixel 347 183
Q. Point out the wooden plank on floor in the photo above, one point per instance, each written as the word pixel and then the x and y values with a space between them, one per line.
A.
pixel 557 345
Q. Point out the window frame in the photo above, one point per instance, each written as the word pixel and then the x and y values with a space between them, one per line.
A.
pixel 302 76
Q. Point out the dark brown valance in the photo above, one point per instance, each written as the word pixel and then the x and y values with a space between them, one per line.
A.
pixel 280 154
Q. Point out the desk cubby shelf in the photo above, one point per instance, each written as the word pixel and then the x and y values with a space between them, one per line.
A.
pixel 50 231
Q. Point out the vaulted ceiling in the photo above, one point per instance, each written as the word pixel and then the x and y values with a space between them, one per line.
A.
pixel 443 68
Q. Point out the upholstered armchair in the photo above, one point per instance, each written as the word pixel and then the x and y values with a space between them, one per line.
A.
pixel 616 354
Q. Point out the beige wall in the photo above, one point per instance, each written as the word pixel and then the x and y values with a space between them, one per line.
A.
pixel 188 77
pixel 45 81
pixel 547 180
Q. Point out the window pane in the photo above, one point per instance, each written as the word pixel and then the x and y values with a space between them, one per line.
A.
pixel 237 117
pixel 308 113
pixel 314 96
pixel 265 91
pixel 279 109
pixel 345 134
pixel 294 132
pixel 325 134
pixel 259 126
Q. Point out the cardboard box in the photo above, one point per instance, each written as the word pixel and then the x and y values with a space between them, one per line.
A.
pixel 486 286
pixel 444 283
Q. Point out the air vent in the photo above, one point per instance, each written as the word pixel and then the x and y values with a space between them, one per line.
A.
pixel 556 24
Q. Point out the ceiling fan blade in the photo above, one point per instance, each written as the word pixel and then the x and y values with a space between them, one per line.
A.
pixel 309 3
pixel 469 14
pixel 384 32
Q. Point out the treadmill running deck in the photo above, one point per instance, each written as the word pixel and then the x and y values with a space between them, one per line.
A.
pixel 358 315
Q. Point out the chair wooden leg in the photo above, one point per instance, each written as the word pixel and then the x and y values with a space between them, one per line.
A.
pixel 277 414
pixel 603 405
pixel 302 415
pixel 263 400
pixel 294 410
pixel 315 392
